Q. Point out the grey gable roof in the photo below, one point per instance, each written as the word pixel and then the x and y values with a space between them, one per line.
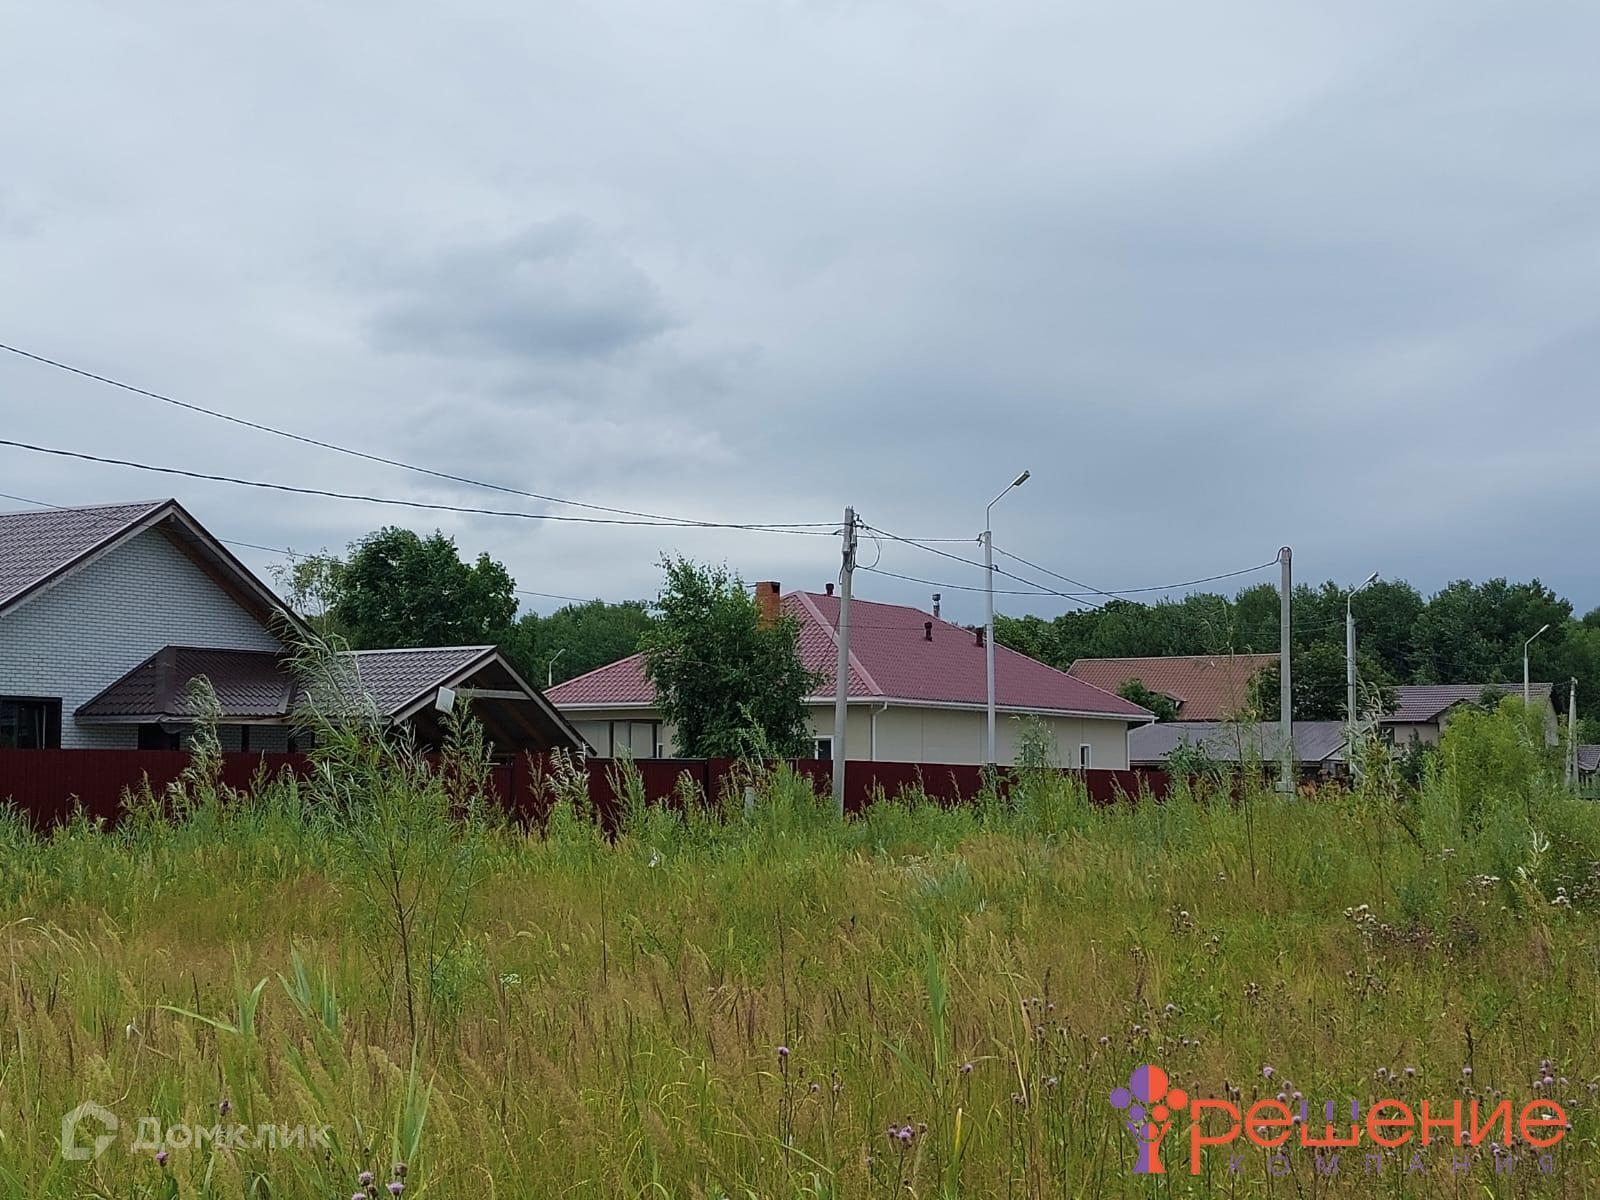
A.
pixel 1422 702
pixel 38 545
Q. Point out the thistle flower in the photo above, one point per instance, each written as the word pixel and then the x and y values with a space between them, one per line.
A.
pixel 1267 1072
pixel 396 1187
pixel 225 1107
pixel 365 1179
pixel 399 1170
pixel 783 1052
pixel 161 1158
pixel 966 1068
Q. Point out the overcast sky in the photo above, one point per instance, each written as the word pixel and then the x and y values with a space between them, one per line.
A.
pixel 1224 276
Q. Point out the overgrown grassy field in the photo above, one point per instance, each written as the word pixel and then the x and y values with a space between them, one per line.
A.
pixel 919 1002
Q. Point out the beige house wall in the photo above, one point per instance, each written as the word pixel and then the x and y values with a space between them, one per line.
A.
pixel 906 733
pixel 896 733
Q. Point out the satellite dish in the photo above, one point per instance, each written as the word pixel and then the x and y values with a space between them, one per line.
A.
pixel 445 700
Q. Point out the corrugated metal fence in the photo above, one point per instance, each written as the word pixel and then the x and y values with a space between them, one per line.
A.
pixel 49 785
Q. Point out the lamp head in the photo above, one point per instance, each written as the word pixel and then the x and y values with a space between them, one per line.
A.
pixel 1021 479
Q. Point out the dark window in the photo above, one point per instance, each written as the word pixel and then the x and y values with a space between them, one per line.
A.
pixel 153 737
pixel 30 723
pixel 822 748
pixel 244 739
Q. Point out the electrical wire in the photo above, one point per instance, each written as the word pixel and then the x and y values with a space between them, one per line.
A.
pixel 377 458
pixel 422 504
pixel 1136 591
pixel 284 552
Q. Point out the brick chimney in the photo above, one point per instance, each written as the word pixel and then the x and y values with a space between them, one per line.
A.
pixel 978 633
pixel 767 596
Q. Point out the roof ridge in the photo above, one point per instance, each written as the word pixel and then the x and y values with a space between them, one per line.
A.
pixel 833 635
pixel 422 649
pixel 41 507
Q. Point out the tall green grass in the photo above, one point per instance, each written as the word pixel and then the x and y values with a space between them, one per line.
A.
pixel 921 1001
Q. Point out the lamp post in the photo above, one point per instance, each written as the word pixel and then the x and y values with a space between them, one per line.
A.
pixel 988 629
pixel 1350 669
pixel 550 667
pixel 1527 697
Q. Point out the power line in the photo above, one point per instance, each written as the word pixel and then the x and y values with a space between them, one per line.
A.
pixel 377 458
pixel 1167 587
pixel 422 504
pixel 1042 589
pixel 291 554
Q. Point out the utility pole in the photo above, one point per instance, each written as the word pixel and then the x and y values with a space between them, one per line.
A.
pixel 988 627
pixel 1572 734
pixel 1350 674
pixel 1285 682
pixel 841 689
pixel 1527 698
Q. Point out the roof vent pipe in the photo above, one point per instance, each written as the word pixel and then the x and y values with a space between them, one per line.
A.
pixel 927 631
pixel 829 588
pixel 936 606
pixel 978 632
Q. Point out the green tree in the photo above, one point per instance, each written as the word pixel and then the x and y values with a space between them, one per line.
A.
pixel 732 684
pixel 398 589
pixel 311 584
pixel 576 639
pixel 1164 707
pixel 1319 685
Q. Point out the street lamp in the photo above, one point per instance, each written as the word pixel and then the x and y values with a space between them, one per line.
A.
pixel 1350 667
pixel 550 667
pixel 1526 688
pixel 988 631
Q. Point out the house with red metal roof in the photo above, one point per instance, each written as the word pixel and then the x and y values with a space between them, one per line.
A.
pixel 109 612
pixel 917 693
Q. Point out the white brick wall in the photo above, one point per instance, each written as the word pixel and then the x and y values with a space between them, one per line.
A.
pixel 75 639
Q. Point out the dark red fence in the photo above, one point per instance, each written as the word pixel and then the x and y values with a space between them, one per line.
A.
pixel 49 785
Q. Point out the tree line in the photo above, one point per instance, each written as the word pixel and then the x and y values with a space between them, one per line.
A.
pixel 395 587
pixel 1464 633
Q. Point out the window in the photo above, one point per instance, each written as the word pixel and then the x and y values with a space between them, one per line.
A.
pixel 1085 756
pixel 30 723
pixel 823 748
pixel 154 737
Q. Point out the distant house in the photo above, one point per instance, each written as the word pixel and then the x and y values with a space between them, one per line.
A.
pixel 917 693
pixel 1318 745
pixel 107 613
pixel 1205 687
pixel 1421 711
pixel 1588 763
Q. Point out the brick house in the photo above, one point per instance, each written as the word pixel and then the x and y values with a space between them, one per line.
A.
pixel 107 612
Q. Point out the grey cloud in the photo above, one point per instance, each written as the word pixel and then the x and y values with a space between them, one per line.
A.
pixel 553 292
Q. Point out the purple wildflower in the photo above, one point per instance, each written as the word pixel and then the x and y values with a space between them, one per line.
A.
pixel 396 1187
pixel 1267 1072
pixel 225 1107
pixel 161 1158
pixel 399 1170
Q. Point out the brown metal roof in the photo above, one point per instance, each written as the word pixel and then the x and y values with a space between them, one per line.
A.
pixel 1207 687
pixel 256 685
pixel 251 685
pixel 38 545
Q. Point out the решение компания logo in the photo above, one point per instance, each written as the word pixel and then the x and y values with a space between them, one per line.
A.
pixel 1148 1103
